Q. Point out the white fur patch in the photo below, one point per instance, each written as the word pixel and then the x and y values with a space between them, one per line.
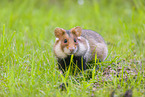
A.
pixel 87 55
pixel 58 51
pixel 79 37
pixel 57 39
pixel 82 49
pixel 66 51
pixel 75 50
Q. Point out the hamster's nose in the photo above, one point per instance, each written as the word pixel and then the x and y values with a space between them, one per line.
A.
pixel 71 49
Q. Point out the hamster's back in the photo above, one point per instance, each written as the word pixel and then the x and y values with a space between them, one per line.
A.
pixel 97 44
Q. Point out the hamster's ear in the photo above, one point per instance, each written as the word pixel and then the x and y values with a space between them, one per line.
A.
pixel 59 32
pixel 76 31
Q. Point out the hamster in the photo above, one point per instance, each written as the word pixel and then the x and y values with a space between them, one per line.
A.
pixel 82 44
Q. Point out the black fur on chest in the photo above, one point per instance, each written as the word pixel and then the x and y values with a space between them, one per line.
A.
pixel 77 60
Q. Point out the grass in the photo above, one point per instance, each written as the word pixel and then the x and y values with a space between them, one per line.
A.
pixel 28 66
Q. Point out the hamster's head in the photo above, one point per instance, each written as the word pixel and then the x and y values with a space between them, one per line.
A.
pixel 66 41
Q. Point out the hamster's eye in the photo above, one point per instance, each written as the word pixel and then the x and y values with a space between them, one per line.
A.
pixel 65 41
pixel 75 40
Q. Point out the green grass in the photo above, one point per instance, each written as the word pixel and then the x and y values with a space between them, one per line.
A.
pixel 28 66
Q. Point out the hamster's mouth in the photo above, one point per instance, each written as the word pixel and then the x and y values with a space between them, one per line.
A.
pixel 68 52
